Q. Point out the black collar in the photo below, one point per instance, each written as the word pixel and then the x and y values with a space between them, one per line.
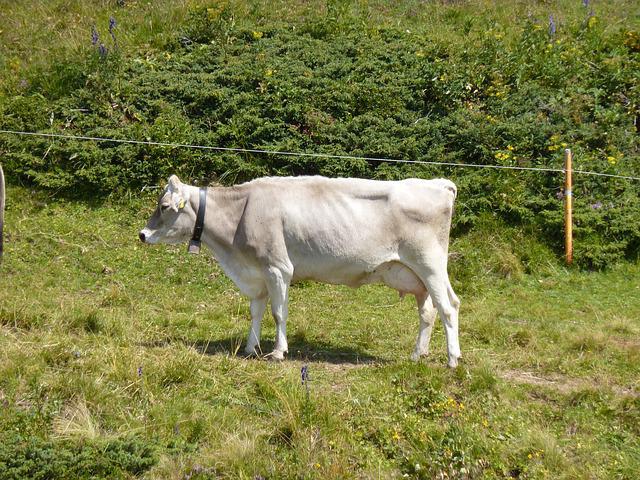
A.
pixel 194 243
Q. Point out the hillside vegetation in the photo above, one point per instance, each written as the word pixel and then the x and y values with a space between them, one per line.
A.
pixel 495 83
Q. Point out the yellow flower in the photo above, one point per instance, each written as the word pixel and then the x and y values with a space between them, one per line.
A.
pixel 395 436
pixel 510 148
pixel 257 35
pixel 611 160
pixel 214 13
pixel 268 72
pixel 485 423
pixel 592 21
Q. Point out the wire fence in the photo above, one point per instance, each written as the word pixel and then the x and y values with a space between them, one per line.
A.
pixel 307 154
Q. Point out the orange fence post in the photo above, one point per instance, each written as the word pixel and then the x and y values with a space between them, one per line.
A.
pixel 568 207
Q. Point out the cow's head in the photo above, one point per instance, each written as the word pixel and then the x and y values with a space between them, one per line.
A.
pixel 174 218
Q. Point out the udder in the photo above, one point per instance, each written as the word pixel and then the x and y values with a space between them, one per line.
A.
pixel 397 276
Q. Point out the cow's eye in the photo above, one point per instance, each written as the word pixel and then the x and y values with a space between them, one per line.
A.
pixel 164 207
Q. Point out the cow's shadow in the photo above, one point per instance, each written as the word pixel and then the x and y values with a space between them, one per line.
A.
pixel 300 348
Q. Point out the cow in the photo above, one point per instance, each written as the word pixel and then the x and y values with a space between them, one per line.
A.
pixel 273 231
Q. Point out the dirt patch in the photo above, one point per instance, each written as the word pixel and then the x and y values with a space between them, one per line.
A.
pixel 342 367
pixel 566 385
pixel 630 344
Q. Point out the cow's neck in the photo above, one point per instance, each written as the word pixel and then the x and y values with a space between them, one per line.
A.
pixel 224 210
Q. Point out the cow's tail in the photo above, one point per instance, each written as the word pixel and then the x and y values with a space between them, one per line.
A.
pixel 1 210
pixel 449 185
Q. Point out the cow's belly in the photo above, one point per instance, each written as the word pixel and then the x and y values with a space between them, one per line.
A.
pixel 356 273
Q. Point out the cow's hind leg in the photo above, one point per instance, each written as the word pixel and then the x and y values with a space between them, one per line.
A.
pixel 433 272
pixel 427 313
pixel 278 285
pixel 258 306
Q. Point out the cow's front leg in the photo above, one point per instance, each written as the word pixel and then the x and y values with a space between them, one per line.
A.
pixel 427 313
pixel 278 286
pixel 258 306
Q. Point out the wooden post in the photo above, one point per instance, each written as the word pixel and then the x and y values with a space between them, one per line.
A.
pixel 568 207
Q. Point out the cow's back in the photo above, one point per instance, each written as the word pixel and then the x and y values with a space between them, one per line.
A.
pixel 311 207
pixel 333 230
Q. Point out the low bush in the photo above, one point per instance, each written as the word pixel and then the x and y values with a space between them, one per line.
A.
pixel 32 457
pixel 511 95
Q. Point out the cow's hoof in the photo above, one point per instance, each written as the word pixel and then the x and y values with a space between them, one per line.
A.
pixel 415 356
pixel 276 356
pixel 251 352
pixel 453 362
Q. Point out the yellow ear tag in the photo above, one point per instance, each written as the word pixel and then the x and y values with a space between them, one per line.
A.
pixel 181 204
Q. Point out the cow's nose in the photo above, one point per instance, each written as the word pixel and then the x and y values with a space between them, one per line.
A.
pixel 142 237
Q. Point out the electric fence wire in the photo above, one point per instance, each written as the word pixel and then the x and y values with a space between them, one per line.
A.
pixel 306 154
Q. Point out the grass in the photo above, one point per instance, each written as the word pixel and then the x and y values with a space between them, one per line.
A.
pixel 109 346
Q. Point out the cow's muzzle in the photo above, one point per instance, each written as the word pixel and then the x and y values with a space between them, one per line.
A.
pixel 142 237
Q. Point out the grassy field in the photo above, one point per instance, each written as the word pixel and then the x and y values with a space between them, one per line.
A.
pixel 127 357
pixel 120 360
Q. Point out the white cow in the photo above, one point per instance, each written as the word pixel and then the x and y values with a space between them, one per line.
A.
pixel 272 231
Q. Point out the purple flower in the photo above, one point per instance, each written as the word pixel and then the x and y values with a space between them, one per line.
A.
pixel 304 374
pixel 560 195
pixel 585 3
pixel 597 205
pixel 552 26
pixel 112 26
pixel 94 36
pixel 102 50
pixel 140 371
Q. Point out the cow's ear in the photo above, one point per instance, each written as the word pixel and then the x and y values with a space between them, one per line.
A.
pixel 174 183
pixel 178 201
pixel 179 198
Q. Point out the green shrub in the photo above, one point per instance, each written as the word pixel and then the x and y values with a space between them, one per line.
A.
pixel 32 457
pixel 507 95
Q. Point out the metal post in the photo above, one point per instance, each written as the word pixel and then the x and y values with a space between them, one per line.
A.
pixel 568 207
